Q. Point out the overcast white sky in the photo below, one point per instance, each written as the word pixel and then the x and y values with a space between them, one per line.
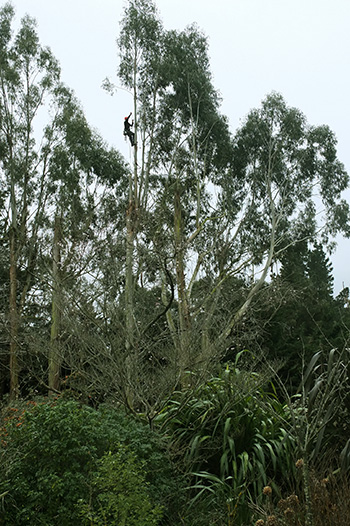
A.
pixel 300 48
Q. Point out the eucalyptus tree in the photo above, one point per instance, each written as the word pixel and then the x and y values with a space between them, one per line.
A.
pixel 286 189
pixel 193 147
pixel 140 48
pixel 204 208
pixel 183 141
pixel 52 170
pixel 82 172
pixel 28 74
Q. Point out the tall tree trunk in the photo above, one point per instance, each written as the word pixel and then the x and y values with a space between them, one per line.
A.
pixel 55 355
pixel 14 311
pixel 14 366
pixel 129 281
pixel 131 226
pixel 184 317
pixel 131 218
pixel 183 307
pixel 129 304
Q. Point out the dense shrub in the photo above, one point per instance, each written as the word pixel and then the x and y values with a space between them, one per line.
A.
pixel 119 493
pixel 50 452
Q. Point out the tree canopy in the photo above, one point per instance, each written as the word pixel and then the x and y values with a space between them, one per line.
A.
pixel 171 349
pixel 164 264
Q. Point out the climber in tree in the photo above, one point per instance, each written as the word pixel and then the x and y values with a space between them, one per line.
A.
pixel 127 129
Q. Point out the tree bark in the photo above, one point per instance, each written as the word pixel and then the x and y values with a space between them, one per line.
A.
pixel 55 354
pixel 131 215
pixel 184 317
pixel 14 365
pixel 183 347
pixel 129 282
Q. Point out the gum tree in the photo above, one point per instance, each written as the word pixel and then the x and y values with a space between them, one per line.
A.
pixel 28 75
pixel 82 171
pixel 182 141
pixel 206 211
pixel 140 47
pixel 52 167
pixel 286 189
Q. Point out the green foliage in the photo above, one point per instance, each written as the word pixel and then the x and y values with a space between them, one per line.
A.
pixel 230 432
pixel 278 160
pixel 299 313
pixel 317 412
pixel 52 451
pixel 141 31
pixel 51 162
pixel 231 435
pixel 119 493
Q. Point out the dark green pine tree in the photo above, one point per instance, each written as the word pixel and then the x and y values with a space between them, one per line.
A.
pixel 307 319
pixel 319 272
pixel 294 265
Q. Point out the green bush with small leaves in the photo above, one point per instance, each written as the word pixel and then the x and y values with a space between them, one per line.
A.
pixel 119 495
pixel 50 452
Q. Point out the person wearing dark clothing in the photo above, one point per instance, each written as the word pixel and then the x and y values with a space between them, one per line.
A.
pixel 127 129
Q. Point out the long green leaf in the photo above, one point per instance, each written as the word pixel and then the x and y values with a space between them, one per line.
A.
pixel 313 393
pixel 345 457
pixel 307 375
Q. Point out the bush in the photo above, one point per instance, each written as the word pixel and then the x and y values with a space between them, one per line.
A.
pixel 50 452
pixel 119 493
